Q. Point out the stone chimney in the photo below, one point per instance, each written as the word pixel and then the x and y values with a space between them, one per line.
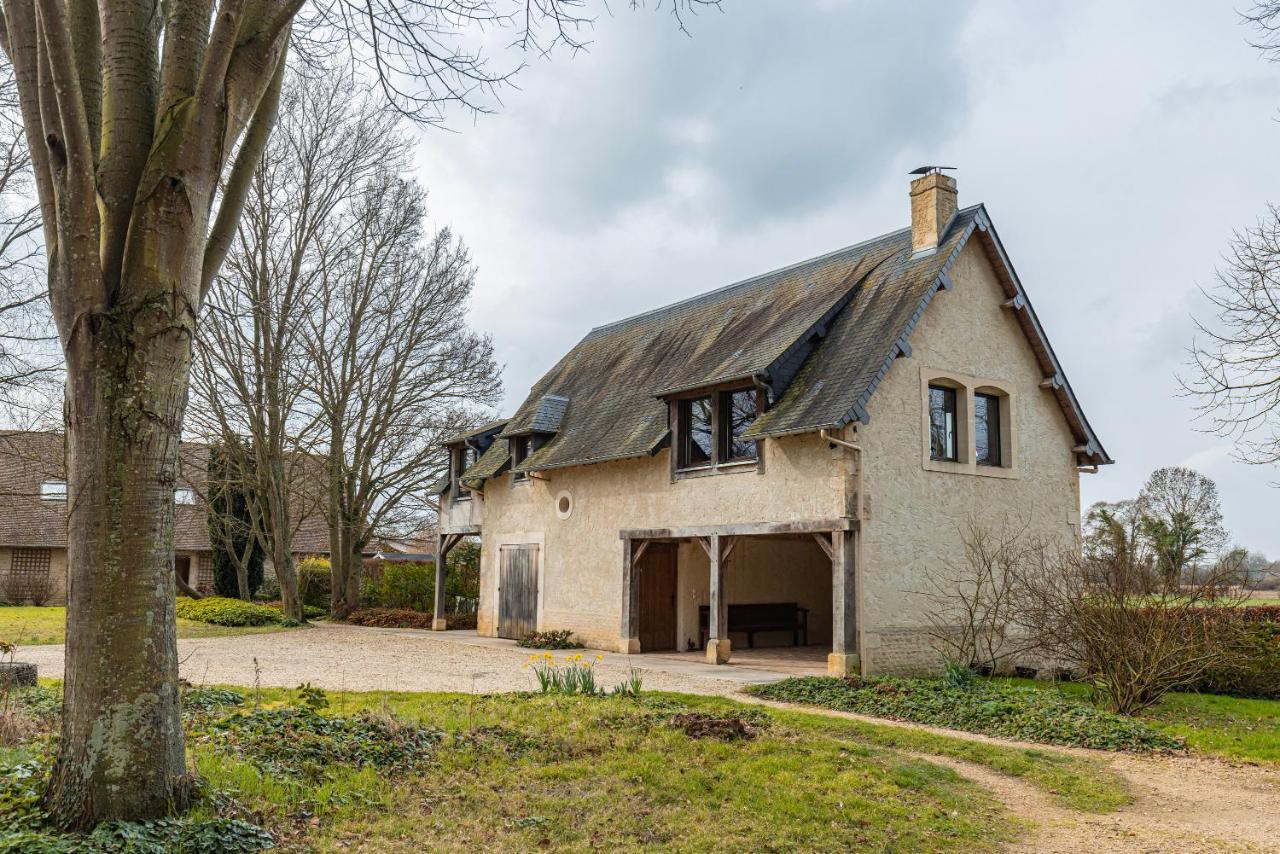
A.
pixel 933 204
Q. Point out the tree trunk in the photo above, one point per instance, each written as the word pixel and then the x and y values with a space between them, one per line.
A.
pixel 122 755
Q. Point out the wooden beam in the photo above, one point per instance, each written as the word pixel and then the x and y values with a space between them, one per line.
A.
pixel 705 543
pixel 638 553
pixel 630 629
pixel 742 529
pixel 730 544
pixel 823 541
pixel 464 530
pixel 844 612
pixel 719 610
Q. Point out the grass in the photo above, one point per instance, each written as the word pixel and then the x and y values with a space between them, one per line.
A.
pixel 521 771
pixel 27 625
pixel 1231 727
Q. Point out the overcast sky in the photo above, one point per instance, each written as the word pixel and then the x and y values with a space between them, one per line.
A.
pixel 1116 146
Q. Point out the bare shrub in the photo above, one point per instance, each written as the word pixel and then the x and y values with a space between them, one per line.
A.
pixel 973 601
pixel 1134 632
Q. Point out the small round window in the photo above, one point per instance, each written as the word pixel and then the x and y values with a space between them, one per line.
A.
pixel 564 505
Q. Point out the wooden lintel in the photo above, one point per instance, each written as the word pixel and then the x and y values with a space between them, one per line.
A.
pixel 742 529
pixel 825 542
pixel 464 530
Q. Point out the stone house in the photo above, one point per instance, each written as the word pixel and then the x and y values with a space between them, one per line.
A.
pixel 33 520
pixel 783 460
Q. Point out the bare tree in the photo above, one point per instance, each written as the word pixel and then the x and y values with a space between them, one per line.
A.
pixel 29 359
pixel 253 368
pixel 397 368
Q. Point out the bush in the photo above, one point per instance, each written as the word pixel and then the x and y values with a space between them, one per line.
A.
pixel 990 708
pixel 403 586
pixel 554 639
pixel 314 582
pixel 220 611
pixel 311 612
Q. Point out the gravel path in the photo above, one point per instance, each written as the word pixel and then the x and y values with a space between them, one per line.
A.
pixel 352 658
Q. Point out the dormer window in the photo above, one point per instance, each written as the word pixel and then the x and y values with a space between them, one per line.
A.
pixel 709 429
pixel 519 453
pixel 462 459
pixel 53 490
pixel 184 495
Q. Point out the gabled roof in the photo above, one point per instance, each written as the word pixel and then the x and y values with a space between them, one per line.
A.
pixel 818 336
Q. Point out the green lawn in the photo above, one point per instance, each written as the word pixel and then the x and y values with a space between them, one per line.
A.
pixel 521 772
pixel 30 626
pixel 1236 728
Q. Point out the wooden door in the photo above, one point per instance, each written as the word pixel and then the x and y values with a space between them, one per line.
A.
pixel 182 566
pixel 657 579
pixel 518 591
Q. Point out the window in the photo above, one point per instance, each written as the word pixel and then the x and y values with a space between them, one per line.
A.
pixel 986 429
pixel 463 459
pixel 183 495
pixel 942 423
pixel 694 421
pixel 54 490
pixel 519 453
pixel 737 412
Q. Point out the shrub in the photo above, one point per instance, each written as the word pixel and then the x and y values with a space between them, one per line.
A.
pixel 314 582
pixel 990 708
pixel 404 586
pixel 220 611
pixel 1253 666
pixel 390 618
pixel 311 612
pixel 554 639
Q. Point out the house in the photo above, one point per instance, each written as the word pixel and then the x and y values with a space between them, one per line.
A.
pixel 783 460
pixel 33 520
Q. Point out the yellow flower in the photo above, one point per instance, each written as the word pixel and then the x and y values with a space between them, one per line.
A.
pixel 599 658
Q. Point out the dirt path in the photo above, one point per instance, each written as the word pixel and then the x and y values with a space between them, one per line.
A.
pixel 1180 803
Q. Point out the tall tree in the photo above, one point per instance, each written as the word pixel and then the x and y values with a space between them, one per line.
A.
pixel 397 369
pixel 144 123
pixel 1181 518
pixel 253 369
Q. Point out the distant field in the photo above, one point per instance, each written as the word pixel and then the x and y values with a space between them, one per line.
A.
pixel 27 625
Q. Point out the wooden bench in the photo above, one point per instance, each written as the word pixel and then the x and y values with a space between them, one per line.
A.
pixel 760 617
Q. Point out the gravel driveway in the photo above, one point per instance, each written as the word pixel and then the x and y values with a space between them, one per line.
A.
pixel 354 658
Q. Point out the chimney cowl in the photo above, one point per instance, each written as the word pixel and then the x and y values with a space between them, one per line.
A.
pixel 934 202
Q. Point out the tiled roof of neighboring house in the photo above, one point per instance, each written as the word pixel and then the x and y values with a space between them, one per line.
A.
pixel 818 335
pixel 28 458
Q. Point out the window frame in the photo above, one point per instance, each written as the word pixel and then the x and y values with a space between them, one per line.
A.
pixel 458 463
pixel 519 453
pixel 968 388
pixel 950 394
pixel 992 404
pixel 724 416
pixel 720 401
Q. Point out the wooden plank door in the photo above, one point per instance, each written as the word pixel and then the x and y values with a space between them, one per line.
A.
pixel 518 591
pixel 657 571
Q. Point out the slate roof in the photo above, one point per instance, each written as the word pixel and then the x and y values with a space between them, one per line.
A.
pixel 28 458
pixel 819 335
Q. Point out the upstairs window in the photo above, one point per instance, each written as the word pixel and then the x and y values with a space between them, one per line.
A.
pixel 737 413
pixel 694 418
pixel 54 490
pixel 986 429
pixel 519 453
pixel 942 424
pixel 184 495
pixel 463 459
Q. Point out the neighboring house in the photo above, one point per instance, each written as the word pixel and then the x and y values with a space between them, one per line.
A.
pixel 814 438
pixel 33 520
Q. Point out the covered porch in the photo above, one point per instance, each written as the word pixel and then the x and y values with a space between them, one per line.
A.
pixel 781 595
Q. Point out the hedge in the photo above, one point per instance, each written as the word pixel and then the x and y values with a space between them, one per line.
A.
pixel 220 611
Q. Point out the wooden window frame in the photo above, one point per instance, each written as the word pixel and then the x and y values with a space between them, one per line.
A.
pixel 994 405
pixel 519 453
pixel 968 388
pixel 718 464
pixel 950 394
pixel 457 465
